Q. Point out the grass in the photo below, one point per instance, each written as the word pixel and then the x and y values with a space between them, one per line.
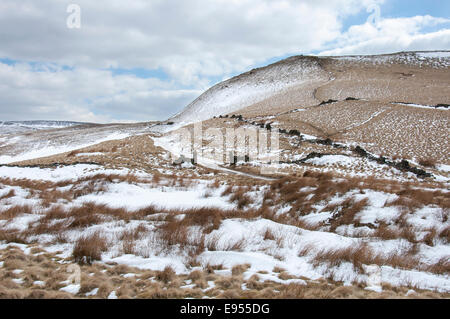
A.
pixel 189 230
pixel 441 267
pixel 13 236
pixel 363 255
pixel 428 162
pixel 238 270
pixel 89 248
pixel 386 232
pixel 166 276
pixel 445 234
pixel 15 211
pixel 9 194
pixel 167 284
pixel 241 198
pixel 347 211
pixel 268 235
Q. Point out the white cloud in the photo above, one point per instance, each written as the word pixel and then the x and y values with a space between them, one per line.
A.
pixel 85 94
pixel 189 39
pixel 390 35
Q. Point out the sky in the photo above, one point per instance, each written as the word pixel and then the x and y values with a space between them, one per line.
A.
pixel 144 60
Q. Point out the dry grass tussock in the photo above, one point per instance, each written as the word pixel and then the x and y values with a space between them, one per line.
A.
pixel 9 194
pixel 428 162
pixel 363 255
pixel 346 212
pixel 15 211
pixel 89 248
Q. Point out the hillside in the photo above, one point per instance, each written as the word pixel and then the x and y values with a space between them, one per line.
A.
pixel 304 81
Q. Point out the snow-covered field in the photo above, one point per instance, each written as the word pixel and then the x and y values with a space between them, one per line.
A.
pixel 12 127
pixel 290 247
pixel 21 147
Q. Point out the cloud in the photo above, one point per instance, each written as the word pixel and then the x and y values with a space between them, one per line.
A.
pixel 188 39
pixel 82 94
pixel 391 35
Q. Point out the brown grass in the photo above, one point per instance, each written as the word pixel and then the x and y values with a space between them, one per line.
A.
pixel 108 279
pixel 362 254
pixel 239 269
pixel 240 198
pixel 386 232
pixel 166 275
pixel 445 234
pixel 227 191
pixel 15 211
pixel 89 248
pixel 268 235
pixel 428 162
pixel 196 275
pixel 347 212
pixel 12 236
pixel 441 267
pixel 10 194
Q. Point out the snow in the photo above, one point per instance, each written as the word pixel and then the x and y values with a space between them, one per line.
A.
pixel 436 59
pixel 112 295
pixel 443 168
pixel 265 255
pixel 429 107
pixel 250 88
pixel 316 218
pixel 20 223
pixel 8 127
pixel 153 262
pixel 134 197
pixel 410 292
pixel 49 150
pixel 421 280
pixel 72 289
pixel 434 55
pixel 90 154
pixel 22 247
pixel 332 159
pixel 57 174
pixel 93 292
pixel 378 289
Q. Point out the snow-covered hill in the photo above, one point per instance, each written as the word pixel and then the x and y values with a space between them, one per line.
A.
pixel 298 73
pixel 11 127
pixel 252 87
